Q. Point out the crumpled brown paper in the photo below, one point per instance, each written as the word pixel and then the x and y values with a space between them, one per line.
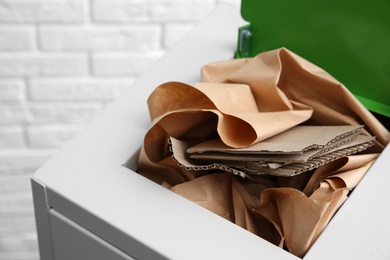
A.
pixel 301 218
pixel 243 102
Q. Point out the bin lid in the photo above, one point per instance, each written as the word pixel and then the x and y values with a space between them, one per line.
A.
pixel 348 39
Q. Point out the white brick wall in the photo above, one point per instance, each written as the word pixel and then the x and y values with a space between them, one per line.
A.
pixel 43 11
pixel 100 37
pixel 16 38
pixel 39 64
pixel 11 90
pixel 61 62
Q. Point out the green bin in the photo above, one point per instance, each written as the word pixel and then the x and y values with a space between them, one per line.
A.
pixel 348 39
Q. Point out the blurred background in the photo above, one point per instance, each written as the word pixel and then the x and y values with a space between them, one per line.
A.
pixel 61 62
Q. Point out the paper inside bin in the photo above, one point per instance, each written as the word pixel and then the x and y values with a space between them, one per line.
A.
pixel 242 103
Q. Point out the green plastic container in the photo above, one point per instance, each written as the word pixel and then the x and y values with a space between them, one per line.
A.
pixel 348 39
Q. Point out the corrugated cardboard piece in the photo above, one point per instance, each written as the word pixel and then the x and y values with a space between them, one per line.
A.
pixel 246 102
pixel 239 163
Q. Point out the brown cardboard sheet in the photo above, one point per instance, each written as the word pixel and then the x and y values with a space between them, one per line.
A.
pixel 282 158
pixel 292 165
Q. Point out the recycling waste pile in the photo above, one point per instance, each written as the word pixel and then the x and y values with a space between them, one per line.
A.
pixel 272 143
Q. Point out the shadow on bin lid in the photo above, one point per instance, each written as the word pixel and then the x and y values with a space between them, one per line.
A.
pixel 349 39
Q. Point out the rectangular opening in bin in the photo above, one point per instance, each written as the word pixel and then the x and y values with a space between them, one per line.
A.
pixel 332 209
pixel 130 163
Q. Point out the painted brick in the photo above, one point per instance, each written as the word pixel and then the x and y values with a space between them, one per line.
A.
pixel 48 113
pixel 120 11
pixel 31 11
pixel 122 64
pixel 23 255
pixel 16 38
pixel 77 89
pixel 16 204
pixel 174 11
pixel 64 113
pixel 175 32
pixel 12 90
pixel 132 37
pixel 14 243
pixel 11 137
pixel 236 3
pixel 150 10
pixel 17 225
pixel 12 114
pixel 51 136
pixel 15 183
pixel 53 64
pixel 22 161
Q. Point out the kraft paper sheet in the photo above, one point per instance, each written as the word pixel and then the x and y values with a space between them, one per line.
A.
pixel 295 141
pixel 243 102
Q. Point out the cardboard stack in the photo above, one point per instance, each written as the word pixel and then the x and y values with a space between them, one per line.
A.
pixel 297 150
